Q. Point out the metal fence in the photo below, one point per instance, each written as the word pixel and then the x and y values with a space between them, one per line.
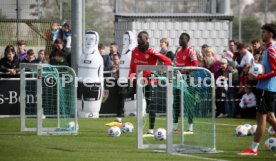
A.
pixel 99 14
pixel 31 31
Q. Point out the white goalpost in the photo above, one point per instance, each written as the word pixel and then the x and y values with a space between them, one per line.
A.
pixel 48 103
pixel 187 93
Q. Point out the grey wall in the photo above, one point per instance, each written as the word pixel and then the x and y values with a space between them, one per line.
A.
pixel 214 33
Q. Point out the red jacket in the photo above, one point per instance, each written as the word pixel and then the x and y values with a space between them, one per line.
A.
pixel 186 57
pixel 149 57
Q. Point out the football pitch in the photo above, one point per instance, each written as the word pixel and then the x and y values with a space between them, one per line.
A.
pixel 93 143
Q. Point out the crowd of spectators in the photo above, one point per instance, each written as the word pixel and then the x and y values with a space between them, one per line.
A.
pixel 60 38
pixel 237 100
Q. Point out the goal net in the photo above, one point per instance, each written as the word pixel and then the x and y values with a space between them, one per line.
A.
pixel 180 100
pixel 48 99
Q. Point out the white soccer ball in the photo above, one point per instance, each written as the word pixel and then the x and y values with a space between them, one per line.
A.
pixel 241 130
pixel 256 69
pixel 114 131
pixel 271 131
pixel 270 144
pixel 248 126
pixel 71 126
pixel 127 127
pixel 160 134
pixel 252 130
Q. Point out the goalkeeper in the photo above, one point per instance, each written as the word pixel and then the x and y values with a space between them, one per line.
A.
pixel 185 56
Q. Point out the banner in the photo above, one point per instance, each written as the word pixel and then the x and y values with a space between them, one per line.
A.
pixel 10 98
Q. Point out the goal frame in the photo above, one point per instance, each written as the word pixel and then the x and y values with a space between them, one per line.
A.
pixel 37 77
pixel 170 147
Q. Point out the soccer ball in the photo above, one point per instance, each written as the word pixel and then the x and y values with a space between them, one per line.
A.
pixel 252 130
pixel 248 126
pixel 256 69
pixel 241 130
pixel 127 127
pixel 270 144
pixel 160 134
pixel 114 131
pixel 271 131
pixel 71 126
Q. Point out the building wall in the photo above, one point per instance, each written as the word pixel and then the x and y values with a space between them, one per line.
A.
pixel 214 33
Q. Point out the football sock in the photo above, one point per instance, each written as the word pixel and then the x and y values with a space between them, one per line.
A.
pixel 175 125
pixel 190 127
pixel 150 131
pixel 254 146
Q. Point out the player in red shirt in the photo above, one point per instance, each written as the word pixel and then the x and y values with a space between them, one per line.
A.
pixel 185 56
pixel 144 55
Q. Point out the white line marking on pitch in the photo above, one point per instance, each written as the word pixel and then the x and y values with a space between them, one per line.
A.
pixel 198 157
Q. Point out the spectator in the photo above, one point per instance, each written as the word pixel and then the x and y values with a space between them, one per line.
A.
pixel 59 48
pixel 22 52
pixel 244 79
pixel 227 55
pixel 58 58
pixel 233 70
pixel 203 49
pixel 164 44
pixel 66 31
pixel 222 74
pixel 200 59
pixel 42 57
pixel 113 48
pixel 248 104
pixel 101 49
pixel 10 63
pixel 54 32
pixel 257 58
pixel 30 58
pixel 257 48
pixel 231 92
pixel 247 57
pixel 233 48
pixel 115 66
pixel 211 62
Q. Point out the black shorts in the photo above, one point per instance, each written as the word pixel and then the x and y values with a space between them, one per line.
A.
pixel 89 91
pixel 156 98
pixel 266 101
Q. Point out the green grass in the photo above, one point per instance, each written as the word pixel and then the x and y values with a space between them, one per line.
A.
pixel 92 143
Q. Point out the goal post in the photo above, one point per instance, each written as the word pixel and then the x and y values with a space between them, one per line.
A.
pixel 48 103
pixel 178 97
pixel 140 85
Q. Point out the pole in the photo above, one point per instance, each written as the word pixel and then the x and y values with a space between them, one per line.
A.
pixel 60 9
pixel 265 11
pixel 76 33
pixel 225 7
pixel 83 23
pixel 18 16
pixel 213 6
pixel 240 22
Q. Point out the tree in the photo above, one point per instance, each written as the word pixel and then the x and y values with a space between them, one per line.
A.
pixel 251 29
